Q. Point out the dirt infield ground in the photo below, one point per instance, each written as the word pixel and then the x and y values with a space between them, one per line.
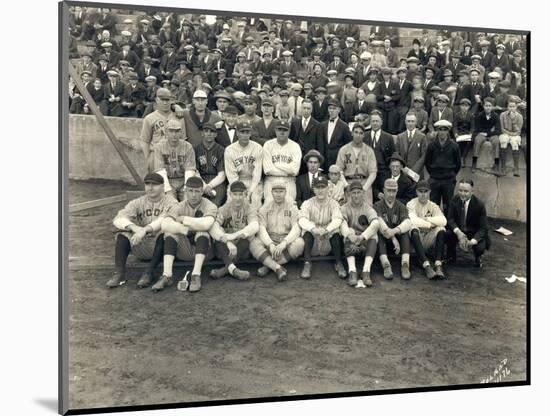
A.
pixel 263 338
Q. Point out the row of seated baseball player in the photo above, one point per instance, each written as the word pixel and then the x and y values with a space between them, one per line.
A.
pixel 155 227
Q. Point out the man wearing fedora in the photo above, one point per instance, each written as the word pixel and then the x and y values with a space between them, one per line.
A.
pixel 405 185
pixel 304 183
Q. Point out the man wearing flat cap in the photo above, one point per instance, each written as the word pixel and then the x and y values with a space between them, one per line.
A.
pixel 133 97
pixel 463 127
pixel 332 134
pixel 154 125
pixel 243 162
pixel 197 115
pixel 441 111
pixel 320 219
pixel 281 161
pixel 114 89
pixel 394 227
pixel 278 240
pixel 169 61
pixel 288 64
pixel 486 55
pixel 175 157
pixel 428 229
pixel 186 234
pixel 487 128
pixel 139 230
pixel 443 164
pixel 236 225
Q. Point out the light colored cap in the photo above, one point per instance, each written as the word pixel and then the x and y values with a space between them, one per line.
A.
pixel 173 125
pixel 200 94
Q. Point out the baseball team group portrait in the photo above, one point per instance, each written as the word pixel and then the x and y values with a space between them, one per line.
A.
pixel 267 206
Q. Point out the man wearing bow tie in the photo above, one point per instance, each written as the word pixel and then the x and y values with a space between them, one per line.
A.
pixel 332 134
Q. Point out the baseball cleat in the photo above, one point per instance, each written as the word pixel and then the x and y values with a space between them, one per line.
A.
pixel 439 271
pixel 118 279
pixel 340 270
pixel 388 273
pixel 352 279
pixel 218 273
pixel 405 272
pixel 281 274
pixel 430 274
pixel 145 280
pixel 263 271
pixel 366 279
pixel 195 284
pixel 241 274
pixel 306 272
pixel 163 282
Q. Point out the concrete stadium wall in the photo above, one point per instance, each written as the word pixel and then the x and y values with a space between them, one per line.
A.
pixel 92 156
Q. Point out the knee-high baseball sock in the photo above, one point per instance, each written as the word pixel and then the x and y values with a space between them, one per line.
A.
pixel 405 258
pixel 122 251
pixel 308 239
pixel 384 259
pixel 272 264
pixel 371 251
pixel 351 264
pixel 515 157
pixel 158 252
pixel 201 248
pixel 170 249
pixel 368 264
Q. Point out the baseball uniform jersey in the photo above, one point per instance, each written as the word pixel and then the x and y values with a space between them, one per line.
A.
pixel 152 130
pixel 392 216
pixel 233 219
pixel 175 159
pixel 209 162
pixel 243 163
pixel 278 219
pixel 358 218
pixel 206 207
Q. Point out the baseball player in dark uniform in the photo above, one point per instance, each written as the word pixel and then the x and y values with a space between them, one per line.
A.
pixel 186 234
pixel 209 157
pixel 359 229
pixel 236 223
pixel 139 225
pixel 394 229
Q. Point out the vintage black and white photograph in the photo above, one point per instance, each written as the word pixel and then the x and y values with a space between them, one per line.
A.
pixel 268 206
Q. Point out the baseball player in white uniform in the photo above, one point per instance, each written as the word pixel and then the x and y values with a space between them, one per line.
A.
pixel 243 162
pixel 176 157
pixel 236 224
pixel 281 161
pixel 278 240
pixel 139 225
pixel 154 124
pixel 186 234
pixel 320 219
pixel 359 229
pixel 428 229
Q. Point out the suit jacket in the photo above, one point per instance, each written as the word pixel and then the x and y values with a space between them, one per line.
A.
pixel 97 95
pixel 292 67
pixel 393 91
pixel 340 136
pixel 306 139
pixel 455 70
pixel 303 189
pixel 261 134
pixel 486 60
pixel 414 152
pixel 404 94
pixel 134 95
pixel 392 58
pixel 383 149
pixel 476 219
pixel 320 111
pixel 142 74
pixel 169 63
pixel 406 188
pixel 117 92
pixel 223 136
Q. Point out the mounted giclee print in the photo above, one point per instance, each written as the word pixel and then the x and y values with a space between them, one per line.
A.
pixel 274 207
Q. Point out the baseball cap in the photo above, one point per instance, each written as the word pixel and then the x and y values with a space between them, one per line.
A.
pixel 355 185
pixel 200 94
pixel 390 183
pixel 173 125
pixel 278 184
pixel 243 125
pixel 423 185
pixel 153 178
pixel 194 182
pixel 209 126
pixel 237 186
pixel 164 93
pixel 282 125
pixel 320 182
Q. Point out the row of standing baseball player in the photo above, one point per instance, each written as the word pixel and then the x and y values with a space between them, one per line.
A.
pixel 229 150
pixel 157 228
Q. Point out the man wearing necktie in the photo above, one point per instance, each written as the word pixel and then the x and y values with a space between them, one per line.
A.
pixel 412 145
pixel 467 224
pixel 383 146
pixel 333 134
pixel 304 183
pixel 303 130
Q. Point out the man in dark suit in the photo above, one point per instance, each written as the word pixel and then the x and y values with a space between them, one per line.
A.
pixel 404 101
pixel 127 55
pixel 226 135
pixel 133 98
pixel 467 224
pixel 114 89
pixel 303 130
pixel 387 102
pixel 146 69
pixel 332 134
pixel 320 105
pixel 412 145
pixel 304 189
pixel 169 62
pixel 406 188
pixel 455 66
pixel 383 146
pixel 486 54
pixel 441 111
